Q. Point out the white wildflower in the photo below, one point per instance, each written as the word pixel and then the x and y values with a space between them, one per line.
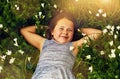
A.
pixel 90 12
pixel 12 60
pixel 1 68
pixel 42 4
pixel 16 44
pixel 36 16
pixel 116 76
pixel 44 34
pixel 43 16
pixel 117 32
pixel 108 27
pixel 90 68
pixel 16 5
pixel 105 31
pixel 85 41
pixel 100 11
pixel 88 57
pixel 83 34
pixel 29 58
pixel 112 50
pixel 71 48
pixel 112 55
pixel 112 28
pixel 104 15
pixel 55 6
pixel 21 52
pixel 118 47
pixel 118 27
pixel 115 36
pixel 3 57
pixel 78 30
pixel 97 14
pixel 17 8
pixel 40 13
pixel 111 43
pixel 102 52
pixel 1 26
pixel 7 1
pixel 86 45
pixel 111 32
pixel 15 40
pixel 6 30
pixel 9 52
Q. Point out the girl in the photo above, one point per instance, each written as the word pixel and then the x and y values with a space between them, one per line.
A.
pixel 59 50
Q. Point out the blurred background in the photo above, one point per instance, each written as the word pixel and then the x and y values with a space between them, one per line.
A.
pixel 101 60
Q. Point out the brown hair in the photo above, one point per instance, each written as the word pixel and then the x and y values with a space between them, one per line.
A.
pixel 56 18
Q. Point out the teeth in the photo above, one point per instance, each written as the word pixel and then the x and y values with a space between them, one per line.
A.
pixel 64 37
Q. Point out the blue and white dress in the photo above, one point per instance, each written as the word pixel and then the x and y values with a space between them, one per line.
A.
pixel 56 61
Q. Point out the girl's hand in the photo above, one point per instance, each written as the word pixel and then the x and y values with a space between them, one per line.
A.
pixel 90 33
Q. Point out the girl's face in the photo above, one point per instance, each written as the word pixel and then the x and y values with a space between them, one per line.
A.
pixel 63 31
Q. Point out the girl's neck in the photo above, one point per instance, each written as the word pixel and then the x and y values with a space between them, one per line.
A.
pixel 57 41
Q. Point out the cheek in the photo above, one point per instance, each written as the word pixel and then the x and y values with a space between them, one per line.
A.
pixel 71 35
pixel 55 33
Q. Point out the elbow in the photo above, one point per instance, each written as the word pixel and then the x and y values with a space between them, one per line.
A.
pixel 22 31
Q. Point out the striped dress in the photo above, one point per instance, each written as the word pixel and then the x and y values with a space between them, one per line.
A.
pixel 56 61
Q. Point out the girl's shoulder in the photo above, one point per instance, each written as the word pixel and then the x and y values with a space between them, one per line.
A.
pixel 46 42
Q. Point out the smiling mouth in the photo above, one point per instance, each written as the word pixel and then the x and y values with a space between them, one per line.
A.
pixel 64 37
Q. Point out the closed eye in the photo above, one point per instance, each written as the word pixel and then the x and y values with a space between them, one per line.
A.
pixel 70 30
pixel 61 28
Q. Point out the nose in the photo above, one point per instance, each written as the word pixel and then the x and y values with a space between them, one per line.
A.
pixel 65 32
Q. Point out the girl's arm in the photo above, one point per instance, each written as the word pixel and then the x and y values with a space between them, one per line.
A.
pixel 30 35
pixel 90 33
